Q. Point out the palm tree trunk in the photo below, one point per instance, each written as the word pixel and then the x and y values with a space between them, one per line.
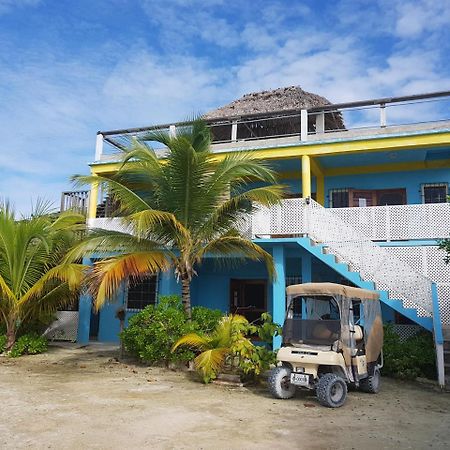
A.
pixel 186 296
pixel 10 336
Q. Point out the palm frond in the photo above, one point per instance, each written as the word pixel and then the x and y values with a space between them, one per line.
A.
pixel 193 340
pixel 107 275
pixel 210 362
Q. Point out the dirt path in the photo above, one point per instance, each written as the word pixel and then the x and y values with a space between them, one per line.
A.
pixel 75 398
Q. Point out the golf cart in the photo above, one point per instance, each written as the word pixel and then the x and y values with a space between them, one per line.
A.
pixel 332 337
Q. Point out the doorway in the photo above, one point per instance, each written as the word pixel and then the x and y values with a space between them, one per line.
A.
pixel 248 298
pixel 379 197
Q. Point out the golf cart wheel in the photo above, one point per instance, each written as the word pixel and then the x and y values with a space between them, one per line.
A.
pixel 331 390
pixel 371 384
pixel 280 383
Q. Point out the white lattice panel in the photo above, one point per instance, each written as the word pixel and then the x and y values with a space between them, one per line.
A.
pixel 444 302
pixel 399 222
pixel 429 260
pixel 406 331
pixel 64 328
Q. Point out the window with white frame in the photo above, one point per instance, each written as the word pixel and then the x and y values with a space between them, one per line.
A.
pixel 434 192
pixel 142 293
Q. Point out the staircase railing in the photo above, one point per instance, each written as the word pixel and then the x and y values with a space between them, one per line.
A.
pixel 373 262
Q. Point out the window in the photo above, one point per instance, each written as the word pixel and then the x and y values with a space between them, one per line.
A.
pixel 339 198
pixel 142 293
pixel 434 193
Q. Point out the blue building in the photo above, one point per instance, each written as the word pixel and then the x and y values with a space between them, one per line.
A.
pixel 367 207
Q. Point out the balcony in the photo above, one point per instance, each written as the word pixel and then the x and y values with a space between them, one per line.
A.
pixel 377 223
pixel 417 114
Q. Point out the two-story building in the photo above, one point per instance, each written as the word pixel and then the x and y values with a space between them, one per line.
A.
pixel 367 205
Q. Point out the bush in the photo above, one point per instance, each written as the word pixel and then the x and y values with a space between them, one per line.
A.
pixel 204 319
pixel 29 344
pixel 152 332
pixel 412 358
pixel 2 343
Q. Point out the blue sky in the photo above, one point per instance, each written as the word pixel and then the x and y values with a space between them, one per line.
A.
pixel 70 68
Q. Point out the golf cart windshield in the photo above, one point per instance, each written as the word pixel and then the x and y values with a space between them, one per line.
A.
pixel 312 320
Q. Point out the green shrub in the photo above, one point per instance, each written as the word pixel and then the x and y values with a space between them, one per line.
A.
pixel 152 332
pixel 29 344
pixel 204 319
pixel 2 343
pixel 412 358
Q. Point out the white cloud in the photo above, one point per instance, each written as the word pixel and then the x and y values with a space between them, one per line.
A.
pixel 54 102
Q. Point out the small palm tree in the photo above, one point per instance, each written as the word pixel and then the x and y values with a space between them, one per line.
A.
pixel 216 347
pixel 34 280
pixel 177 209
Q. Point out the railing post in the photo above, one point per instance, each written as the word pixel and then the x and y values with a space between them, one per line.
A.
pixel 99 146
pixel 382 115
pixel 320 122
pixel 234 126
pixel 304 125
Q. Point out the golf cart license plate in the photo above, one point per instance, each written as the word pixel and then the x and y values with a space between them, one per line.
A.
pixel 300 379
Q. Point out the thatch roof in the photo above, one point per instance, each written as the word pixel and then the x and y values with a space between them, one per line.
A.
pixel 276 100
pixel 271 114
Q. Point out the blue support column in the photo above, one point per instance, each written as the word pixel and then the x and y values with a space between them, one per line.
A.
pixel 278 291
pixel 84 313
pixel 306 275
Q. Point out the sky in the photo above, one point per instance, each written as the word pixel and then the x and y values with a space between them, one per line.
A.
pixel 71 68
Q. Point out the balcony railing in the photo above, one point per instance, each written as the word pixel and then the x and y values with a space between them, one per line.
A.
pixel 377 223
pixel 344 120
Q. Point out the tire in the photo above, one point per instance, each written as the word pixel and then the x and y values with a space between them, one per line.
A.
pixel 331 390
pixel 280 383
pixel 372 383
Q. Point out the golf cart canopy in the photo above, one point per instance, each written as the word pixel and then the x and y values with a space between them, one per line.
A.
pixel 332 290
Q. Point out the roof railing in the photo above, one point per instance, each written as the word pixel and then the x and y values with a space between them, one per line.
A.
pixel 305 124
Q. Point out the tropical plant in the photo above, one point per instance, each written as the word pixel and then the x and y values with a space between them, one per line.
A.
pixel 410 358
pixel 28 344
pixel 214 348
pixel 178 209
pixel 34 279
pixel 152 332
pixel 229 344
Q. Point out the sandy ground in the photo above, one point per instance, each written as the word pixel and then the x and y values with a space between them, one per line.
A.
pixel 72 398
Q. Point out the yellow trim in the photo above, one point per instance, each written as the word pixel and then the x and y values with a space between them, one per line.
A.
pixel 406 142
pixel 316 168
pixel 93 199
pixel 388 167
pixel 306 176
pixel 320 189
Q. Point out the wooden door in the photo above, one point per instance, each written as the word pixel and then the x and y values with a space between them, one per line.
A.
pixel 248 298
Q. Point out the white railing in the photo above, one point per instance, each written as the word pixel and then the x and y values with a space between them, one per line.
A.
pixel 378 223
pixel 374 263
pixel 399 222
pixel 297 217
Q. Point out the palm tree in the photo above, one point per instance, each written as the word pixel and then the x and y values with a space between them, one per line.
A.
pixel 34 279
pixel 177 209
pixel 217 346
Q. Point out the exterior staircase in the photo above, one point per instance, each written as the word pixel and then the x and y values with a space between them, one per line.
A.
pixel 365 264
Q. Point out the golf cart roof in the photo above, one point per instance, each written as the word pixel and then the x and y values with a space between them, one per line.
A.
pixel 331 289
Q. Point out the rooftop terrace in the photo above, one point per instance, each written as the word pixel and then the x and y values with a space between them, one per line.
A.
pixel 233 127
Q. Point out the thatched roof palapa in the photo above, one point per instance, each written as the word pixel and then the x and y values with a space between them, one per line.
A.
pixel 272 113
